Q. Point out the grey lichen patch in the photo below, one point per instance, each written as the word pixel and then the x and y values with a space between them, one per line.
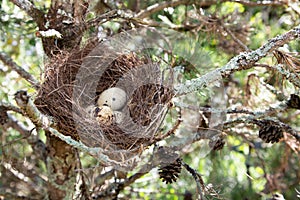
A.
pixel 198 83
pixel 26 5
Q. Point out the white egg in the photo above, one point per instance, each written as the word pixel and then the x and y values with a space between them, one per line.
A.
pixel 115 98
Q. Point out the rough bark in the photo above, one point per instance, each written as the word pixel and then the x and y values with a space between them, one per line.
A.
pixel 61 168
pixel 66 17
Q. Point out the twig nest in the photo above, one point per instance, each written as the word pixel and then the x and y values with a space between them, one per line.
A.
pixel 114 97
pixel 101 96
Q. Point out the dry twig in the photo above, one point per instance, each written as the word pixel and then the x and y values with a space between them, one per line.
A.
pixel 24 74
pixel 165 4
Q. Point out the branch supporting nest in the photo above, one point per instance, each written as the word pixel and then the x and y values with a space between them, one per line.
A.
pixel 41 120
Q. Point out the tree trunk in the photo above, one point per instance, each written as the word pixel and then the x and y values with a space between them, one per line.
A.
pixel 66 17
pixel 61 168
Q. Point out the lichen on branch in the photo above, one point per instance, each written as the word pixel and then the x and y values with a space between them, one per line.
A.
pixel 243 61
pixel 40 120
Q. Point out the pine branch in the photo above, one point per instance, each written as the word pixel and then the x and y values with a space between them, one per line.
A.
pixel 253 120
pixel 267 112
pixel 24 74
pixel 243 61
pixel 291 76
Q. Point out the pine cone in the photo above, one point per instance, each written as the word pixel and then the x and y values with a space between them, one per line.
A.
pixel 294 101
pixel 217 144
pixel 170 173
pixel 270 132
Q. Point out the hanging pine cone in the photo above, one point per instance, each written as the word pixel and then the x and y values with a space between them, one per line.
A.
pixel 294 101
pixel 270 132
pixel 217 144
pixel 170 173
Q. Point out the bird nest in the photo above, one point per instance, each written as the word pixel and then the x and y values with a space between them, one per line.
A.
pixel 73 82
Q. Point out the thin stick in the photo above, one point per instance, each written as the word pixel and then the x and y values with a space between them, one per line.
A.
pixel 11 107
pixel 239 42
pixel 198 179
pixel 24 74
pixel 165 4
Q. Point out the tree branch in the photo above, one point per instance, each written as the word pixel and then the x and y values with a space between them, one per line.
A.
pixel 18 127
pixel 198 179
pixel 160 6
pixel 239 42
pixel 243 61
pixel 292 77
pixel 31 10
pixel 254 120
pixel 267 112
pixel 8 106
pixel 101 19
pixel 118 186
pixel 259 3
pixel 36 144
pixel 10 171
pixel 165 4
pixel 24 74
